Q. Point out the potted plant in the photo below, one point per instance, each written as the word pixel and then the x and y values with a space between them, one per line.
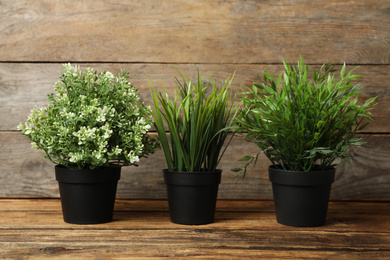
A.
pixel 303 126
pixel 92 126
pixel 197 119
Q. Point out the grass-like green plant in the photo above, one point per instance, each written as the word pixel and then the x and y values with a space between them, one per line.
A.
pixel 302 123
pixel 95 119
pixel 197 118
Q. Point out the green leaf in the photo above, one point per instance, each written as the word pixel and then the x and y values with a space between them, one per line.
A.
pixel 195 119
pixel 245 158
pixel 342 72
pixel 302 123
pixel 320 124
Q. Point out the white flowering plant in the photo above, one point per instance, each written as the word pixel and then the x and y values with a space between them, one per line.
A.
pixel 93 120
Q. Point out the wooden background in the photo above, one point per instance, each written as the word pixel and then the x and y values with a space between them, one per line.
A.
pixel 152 38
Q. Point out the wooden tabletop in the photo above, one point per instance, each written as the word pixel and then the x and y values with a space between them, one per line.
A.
pixel 34 229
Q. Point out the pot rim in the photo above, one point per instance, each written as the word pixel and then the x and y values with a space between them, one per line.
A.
pixel 182 172
pixel 279 169
pixel 301 178
pixel 98 175
pixel 192 178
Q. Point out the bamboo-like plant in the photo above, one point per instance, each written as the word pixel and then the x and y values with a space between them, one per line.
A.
pixel 304 124
pixel 197 123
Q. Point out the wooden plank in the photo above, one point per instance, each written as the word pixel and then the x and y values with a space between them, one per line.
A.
pixel 34 229
pixel 23 86
pixel 27 174
pixel 158 252
pixel 195 31
pixel 189 242
pixel 230 214
pixel 223 205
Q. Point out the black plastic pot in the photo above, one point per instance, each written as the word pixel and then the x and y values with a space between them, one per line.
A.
pixel 301 198
pixel 87 196
pixel 192 196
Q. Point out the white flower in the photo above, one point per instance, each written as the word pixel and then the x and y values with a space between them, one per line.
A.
pixel 85 134
pixel 132 157
pixel 67 114
pixel 141 121
pixel 21 126
pixel 67 66
pixel 147 127
pixel 75 157
pixel 62 131
pixel 102 112
pixel 85 110
pixel 101 118
pixel 71 70
pixel 109 75
pixel 106 131
pixel 62 98
pixel 27 130
pixel 94 102
pixel 115 151
pixel 97 154
pixel 112 113
pixel 70 115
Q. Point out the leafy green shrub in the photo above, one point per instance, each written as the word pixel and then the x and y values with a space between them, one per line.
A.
pixel 303 124
pixel 196 122
pixel 94 120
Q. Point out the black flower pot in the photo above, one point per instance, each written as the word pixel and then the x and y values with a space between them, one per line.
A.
pixel 192 196
pixel 301 198
pixel 87 196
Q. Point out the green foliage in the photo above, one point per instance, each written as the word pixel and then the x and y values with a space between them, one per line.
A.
pixel 94 120
pixel 196 122
pixel 304 124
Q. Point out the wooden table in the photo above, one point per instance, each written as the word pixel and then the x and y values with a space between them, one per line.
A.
pixel 34 229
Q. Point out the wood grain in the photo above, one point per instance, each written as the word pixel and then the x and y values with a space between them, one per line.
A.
pixel 153 38
pixel 34 229
pixel 25 85
pixel 195 31
pixel 46 213
pixel 27 174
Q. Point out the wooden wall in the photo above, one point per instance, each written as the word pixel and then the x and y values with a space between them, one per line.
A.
pixel 152 38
